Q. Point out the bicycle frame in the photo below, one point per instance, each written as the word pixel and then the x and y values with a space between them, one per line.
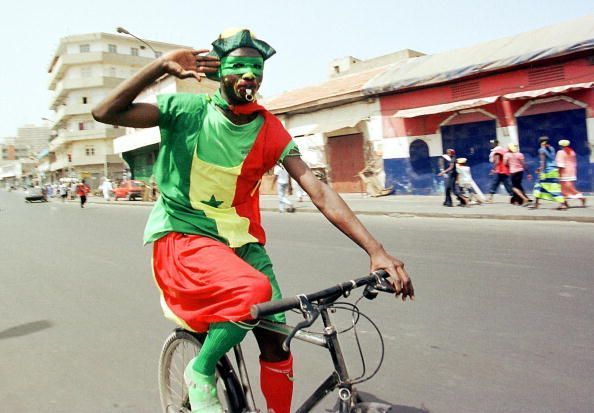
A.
pixel 339 378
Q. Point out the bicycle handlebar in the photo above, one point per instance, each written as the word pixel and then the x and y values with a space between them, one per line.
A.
pixel 289 303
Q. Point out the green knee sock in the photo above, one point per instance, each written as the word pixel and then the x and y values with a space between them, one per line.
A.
pixel 220 339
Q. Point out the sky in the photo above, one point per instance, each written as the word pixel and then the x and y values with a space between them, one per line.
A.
pixel 307 34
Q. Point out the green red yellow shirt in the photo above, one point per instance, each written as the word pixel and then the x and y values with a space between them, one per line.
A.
pixel 209 170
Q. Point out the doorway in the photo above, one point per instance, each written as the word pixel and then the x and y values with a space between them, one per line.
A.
pixel 568 124
pixel 345 157
pixel 471 141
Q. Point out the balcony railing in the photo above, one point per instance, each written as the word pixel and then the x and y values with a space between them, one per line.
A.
pixel 67 60
pixel 65 86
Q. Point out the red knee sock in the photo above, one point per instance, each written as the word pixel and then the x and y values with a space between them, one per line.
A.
pixel 276 381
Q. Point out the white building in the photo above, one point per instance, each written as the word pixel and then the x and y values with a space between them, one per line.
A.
pixel 84 69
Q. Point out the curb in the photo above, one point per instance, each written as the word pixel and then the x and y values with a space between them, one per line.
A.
pixel 405 214
pixel 401 214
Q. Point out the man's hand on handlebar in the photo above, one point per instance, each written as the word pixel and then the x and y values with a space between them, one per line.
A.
pixel 398 276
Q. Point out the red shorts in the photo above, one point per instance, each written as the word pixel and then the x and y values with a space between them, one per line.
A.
pixel 203 281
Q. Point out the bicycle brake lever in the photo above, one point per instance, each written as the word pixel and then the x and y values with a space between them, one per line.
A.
pixel 384 286
pixel 369 292
pixel 309 312
pixel 381 284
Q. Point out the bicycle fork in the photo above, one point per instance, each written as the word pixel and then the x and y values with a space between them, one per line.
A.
pixel 339 378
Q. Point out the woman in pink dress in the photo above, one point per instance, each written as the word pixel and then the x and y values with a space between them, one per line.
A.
pixel 567 163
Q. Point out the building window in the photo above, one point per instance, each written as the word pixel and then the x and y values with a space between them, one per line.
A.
pixel 158 54
pixel 112 48
pixel 81 126
pixel 89 151
pixel 84 48
pixel 134 51
pixel 84 100
pixel 85 72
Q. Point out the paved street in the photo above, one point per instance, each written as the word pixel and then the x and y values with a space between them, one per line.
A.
pixel 502 320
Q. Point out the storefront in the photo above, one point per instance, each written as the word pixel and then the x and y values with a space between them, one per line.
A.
pixel 513 90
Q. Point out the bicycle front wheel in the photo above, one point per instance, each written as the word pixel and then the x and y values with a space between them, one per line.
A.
pixel 179 348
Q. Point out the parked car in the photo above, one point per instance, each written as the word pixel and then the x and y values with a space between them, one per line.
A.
pixel 35 194
pixel 129 190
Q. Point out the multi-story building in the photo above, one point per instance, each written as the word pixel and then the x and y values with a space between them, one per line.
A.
pixel 33 137
pixel 83 70
pixel 17 155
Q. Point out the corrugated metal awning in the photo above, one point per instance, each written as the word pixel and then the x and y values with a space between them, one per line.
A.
pixel 445 107
pixel 136 140
pixel 337 124
pixel 548 91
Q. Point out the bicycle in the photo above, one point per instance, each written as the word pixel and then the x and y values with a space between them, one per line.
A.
pixel 234 387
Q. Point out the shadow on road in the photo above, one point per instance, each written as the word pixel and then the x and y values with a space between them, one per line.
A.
pixel 25 329
pixel 372 404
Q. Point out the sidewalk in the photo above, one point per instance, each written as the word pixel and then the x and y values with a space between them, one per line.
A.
pixel 426 206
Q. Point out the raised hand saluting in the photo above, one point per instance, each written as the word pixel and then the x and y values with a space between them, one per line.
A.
pixel 186 63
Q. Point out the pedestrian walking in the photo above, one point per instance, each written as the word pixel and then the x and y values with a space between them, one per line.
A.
pixel 547 188
pixel 282 179
pixel 566 161
pixel 499 172
pixel 73 186
pixel 450 174
pixel 154 191
pixel 469 190
pixel 107 189
pixel 82 189
pixel 514 160
pixel 63 190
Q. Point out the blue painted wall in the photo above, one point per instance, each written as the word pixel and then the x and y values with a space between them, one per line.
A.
pixel 471 141
pixel 417 174
pixel 570 125
pixel 407 179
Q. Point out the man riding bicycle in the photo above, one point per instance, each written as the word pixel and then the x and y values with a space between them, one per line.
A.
pixel 209 259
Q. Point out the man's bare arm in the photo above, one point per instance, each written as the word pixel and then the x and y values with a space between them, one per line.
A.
pixel 342 217
pixel 118 107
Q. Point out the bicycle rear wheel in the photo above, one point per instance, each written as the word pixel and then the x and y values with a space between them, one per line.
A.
pixel 179 348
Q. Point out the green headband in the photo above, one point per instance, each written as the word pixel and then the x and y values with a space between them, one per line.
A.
pixel 240 65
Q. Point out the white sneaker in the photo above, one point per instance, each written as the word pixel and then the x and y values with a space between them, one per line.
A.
pixel 202 391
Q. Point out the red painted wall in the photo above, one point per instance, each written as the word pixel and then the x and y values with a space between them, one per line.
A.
pixel 575 71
